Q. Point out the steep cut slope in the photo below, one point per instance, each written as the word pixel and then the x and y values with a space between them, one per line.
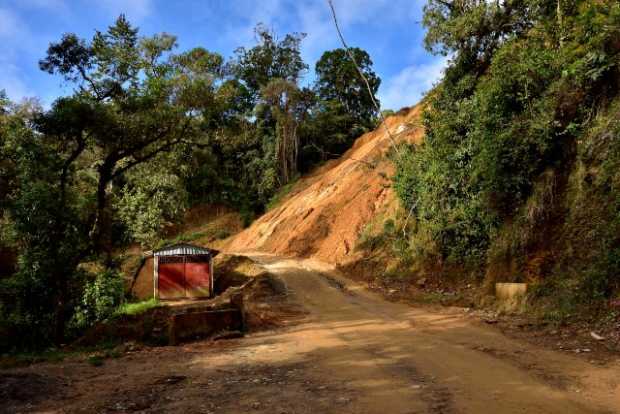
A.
pixel 325 213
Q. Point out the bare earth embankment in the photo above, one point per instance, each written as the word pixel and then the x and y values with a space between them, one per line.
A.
pixel 326 212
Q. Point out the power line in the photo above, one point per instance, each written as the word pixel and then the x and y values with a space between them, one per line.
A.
pixel 372 97
pixel 359 70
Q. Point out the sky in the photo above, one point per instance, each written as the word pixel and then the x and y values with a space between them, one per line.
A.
pixel 390 30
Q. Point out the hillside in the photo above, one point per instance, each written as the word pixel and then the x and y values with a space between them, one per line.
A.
pixel 326 212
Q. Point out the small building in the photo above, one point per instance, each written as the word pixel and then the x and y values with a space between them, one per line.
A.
pixel 183 271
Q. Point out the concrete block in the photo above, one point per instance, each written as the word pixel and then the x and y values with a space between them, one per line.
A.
pixel 510 291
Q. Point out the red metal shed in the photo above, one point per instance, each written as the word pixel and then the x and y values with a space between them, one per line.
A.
pixel 183 271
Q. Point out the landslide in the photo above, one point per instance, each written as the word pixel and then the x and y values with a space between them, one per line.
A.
pixel 325 213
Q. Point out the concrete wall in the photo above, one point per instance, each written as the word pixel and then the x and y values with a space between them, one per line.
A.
pixel 510 291
pixel 511 296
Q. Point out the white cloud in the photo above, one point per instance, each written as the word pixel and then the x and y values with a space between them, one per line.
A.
pixel 375 11
pixel 9 23
pixel 314 18
pixel 12 82
pixel 19 45
pixel 250 13
pixel 321 34
pixel 135 10
pixel 410 84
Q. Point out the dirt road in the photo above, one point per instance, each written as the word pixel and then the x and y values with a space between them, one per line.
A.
pixel 353 353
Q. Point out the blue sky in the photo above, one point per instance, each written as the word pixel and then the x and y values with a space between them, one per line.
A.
pixel 389 30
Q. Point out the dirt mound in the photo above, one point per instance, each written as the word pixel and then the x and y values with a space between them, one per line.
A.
pixel 233 270
pixel 267 305
pixel 326 212
pixel 262 295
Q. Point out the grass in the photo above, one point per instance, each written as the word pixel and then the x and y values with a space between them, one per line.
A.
pixel 137 308
pixel 27 358
pixel 98 353
pixel 281 194
pixel 95 360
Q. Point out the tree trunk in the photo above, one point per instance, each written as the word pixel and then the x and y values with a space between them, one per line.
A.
pixel 100 233
pixel 61 305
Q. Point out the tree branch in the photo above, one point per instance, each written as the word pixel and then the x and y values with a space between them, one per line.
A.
pixel 140 159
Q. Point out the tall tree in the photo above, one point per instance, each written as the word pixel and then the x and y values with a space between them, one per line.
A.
pixel 338 80
pixel 270 59
pixel 288 106
pixel 343 109
pixel 134 100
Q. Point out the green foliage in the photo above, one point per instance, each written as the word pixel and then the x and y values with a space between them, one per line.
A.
pixel 40 225
pixel 338 80
pixel 150 201
pixel 287 106
pixel 517 96
pixel 102 295
pixel 343 109
pixel 95 360
pixel 597 199
pixel 270 59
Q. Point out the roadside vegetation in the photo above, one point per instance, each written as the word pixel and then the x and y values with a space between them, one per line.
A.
pixel 518 176
pixel 148 132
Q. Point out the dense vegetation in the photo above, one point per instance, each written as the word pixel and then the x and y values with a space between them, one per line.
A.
pixel 147 133
pixel 518 176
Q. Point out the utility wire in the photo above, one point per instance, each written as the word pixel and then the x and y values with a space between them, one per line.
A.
pixel 372 97
pixel 359 70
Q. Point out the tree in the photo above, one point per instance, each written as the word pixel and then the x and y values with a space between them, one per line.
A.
pixel 342 109
pixel 269 59
pixel 287 104
pixel 43 222
pixel 522 86
pixel 474 29
pixel 153 197
pixel 134 100
pixel 338 80
pixel 270 72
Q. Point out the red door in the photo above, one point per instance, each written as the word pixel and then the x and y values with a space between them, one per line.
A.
pixel 184 276
pixel 197 277
pixel 171 278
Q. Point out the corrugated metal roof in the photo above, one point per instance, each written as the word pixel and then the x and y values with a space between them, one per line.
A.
pixel 182 249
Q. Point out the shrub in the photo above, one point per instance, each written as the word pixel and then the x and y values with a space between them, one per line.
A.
pixel 102 295
pixel 514 102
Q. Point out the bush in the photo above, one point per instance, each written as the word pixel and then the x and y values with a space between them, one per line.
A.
pixel 515 101
pixel 150 202
pixel 102 295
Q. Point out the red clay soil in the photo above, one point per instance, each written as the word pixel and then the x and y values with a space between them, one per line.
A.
pixel 329 209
